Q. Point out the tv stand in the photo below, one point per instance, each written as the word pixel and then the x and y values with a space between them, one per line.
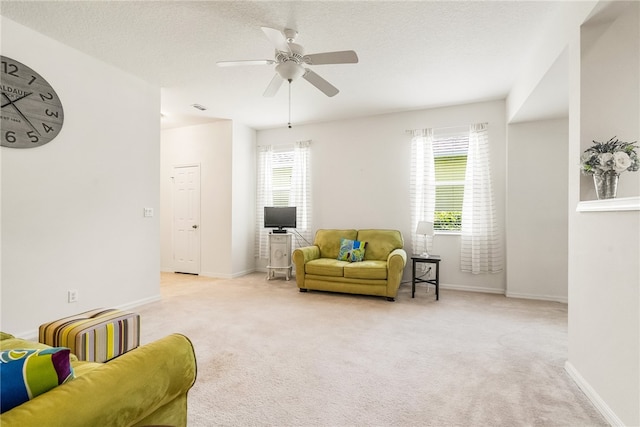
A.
pixel 279 255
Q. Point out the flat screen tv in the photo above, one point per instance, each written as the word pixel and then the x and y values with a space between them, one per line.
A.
pixel 280 218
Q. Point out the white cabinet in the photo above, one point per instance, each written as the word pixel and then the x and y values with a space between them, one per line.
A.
pixel 279 255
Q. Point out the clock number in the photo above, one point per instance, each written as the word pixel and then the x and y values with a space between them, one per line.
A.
pixel 11 69
pixel 10 136
pixel 46 98
pixel 33 136
pixel 51 113
pixel 33 79
pixel 47 128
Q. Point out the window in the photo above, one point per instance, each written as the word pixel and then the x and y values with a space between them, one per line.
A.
pixel 284 179
pixel 459 202
pixel 281 171
pixel 450 160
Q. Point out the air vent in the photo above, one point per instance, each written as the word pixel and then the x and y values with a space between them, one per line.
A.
pixel 199 107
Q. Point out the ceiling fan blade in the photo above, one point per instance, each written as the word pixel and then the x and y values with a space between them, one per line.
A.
pixel 324 86
pixel 277 39
pixel 274 85
pixel 246 62
pixel 341 57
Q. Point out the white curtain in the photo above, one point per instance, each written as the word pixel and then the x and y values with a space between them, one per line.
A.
pixel 480 250
pixel 264 197
pixel 423 184
pixel 300 196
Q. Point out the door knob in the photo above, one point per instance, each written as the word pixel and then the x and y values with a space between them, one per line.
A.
pixel 194 226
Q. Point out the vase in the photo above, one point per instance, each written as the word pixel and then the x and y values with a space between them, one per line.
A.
pixel 606 184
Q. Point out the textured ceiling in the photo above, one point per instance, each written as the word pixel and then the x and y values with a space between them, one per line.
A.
pixel 413 54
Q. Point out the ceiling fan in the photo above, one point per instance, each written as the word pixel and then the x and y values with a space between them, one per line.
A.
pixel 290 62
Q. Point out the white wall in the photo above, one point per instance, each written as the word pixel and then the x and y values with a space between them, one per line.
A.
pixel 243 199
pixel 224 152
pixel 72 210
pixel 604 249
pixel 360 175
pixel 554 38
pixel 609 91
pixel 537 182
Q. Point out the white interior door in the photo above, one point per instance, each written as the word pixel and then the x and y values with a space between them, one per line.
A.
pixel 186 219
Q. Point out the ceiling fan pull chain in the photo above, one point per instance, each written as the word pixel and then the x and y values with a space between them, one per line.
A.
pixel 289 103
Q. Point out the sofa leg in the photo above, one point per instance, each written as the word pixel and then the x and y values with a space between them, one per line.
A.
pixel 392 299
pixel 303 290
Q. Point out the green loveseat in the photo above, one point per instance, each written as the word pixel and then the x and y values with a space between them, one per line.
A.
pixel 380 273
pixel 145 386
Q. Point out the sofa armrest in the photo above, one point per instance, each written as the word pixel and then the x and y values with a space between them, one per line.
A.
pixel 121 392
pixel 396 262
pixel 300 257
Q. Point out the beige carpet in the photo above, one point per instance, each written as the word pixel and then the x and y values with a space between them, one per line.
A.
pixel 269 355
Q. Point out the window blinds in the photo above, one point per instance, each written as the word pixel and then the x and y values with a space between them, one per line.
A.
pixel 450 163
pixel 282 169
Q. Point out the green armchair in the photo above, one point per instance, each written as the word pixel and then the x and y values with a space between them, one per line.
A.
pixel 145 386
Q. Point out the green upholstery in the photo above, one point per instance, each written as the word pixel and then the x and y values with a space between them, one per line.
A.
pixel 380 243
pixel 145 386
pixel 317 266
pixel 326 267
pixel 328 241
pixel 366 270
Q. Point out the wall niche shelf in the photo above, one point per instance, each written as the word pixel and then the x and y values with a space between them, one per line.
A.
pixel 609 87
pixel 610 205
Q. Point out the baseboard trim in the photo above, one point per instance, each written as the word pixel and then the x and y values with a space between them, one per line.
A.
pixel 501 292
pixel 138 303
pixel 471 289
pixel 563 300
pixel 243 273
pixel 592 395
pixel 212 275
pixel 226 276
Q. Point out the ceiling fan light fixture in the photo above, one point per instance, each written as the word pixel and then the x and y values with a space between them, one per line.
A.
pixel 291 62
pixel 290 70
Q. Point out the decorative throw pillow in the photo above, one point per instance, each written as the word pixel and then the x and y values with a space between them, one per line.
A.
pixel 29 373
pixel 351 250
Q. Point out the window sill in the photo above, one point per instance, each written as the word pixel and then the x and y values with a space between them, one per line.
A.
pixel 610 205
pixel 446 233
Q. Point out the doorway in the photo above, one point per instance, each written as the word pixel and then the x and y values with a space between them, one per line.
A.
pixel 186 219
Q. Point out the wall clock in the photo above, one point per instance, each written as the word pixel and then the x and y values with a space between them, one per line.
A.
pixel 31 113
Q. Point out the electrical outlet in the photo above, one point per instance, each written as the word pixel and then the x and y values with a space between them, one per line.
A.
pixel 72 295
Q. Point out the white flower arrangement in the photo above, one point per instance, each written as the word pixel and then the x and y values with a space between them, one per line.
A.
pixel 613 155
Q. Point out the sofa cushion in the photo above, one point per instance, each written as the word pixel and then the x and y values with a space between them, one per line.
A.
pixel 27 373
pixel 329 241
pixel 380 243
pixel 366 270
pixel 326 267
pixel 351 250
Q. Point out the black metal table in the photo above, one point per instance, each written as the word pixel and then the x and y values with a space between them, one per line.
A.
pixel 432 259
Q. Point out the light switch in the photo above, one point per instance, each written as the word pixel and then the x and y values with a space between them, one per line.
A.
pixel 148 212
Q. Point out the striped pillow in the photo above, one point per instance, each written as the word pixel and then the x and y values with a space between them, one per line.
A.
pixel 28 373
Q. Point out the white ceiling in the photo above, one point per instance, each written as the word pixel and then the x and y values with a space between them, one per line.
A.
pixel 413 54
